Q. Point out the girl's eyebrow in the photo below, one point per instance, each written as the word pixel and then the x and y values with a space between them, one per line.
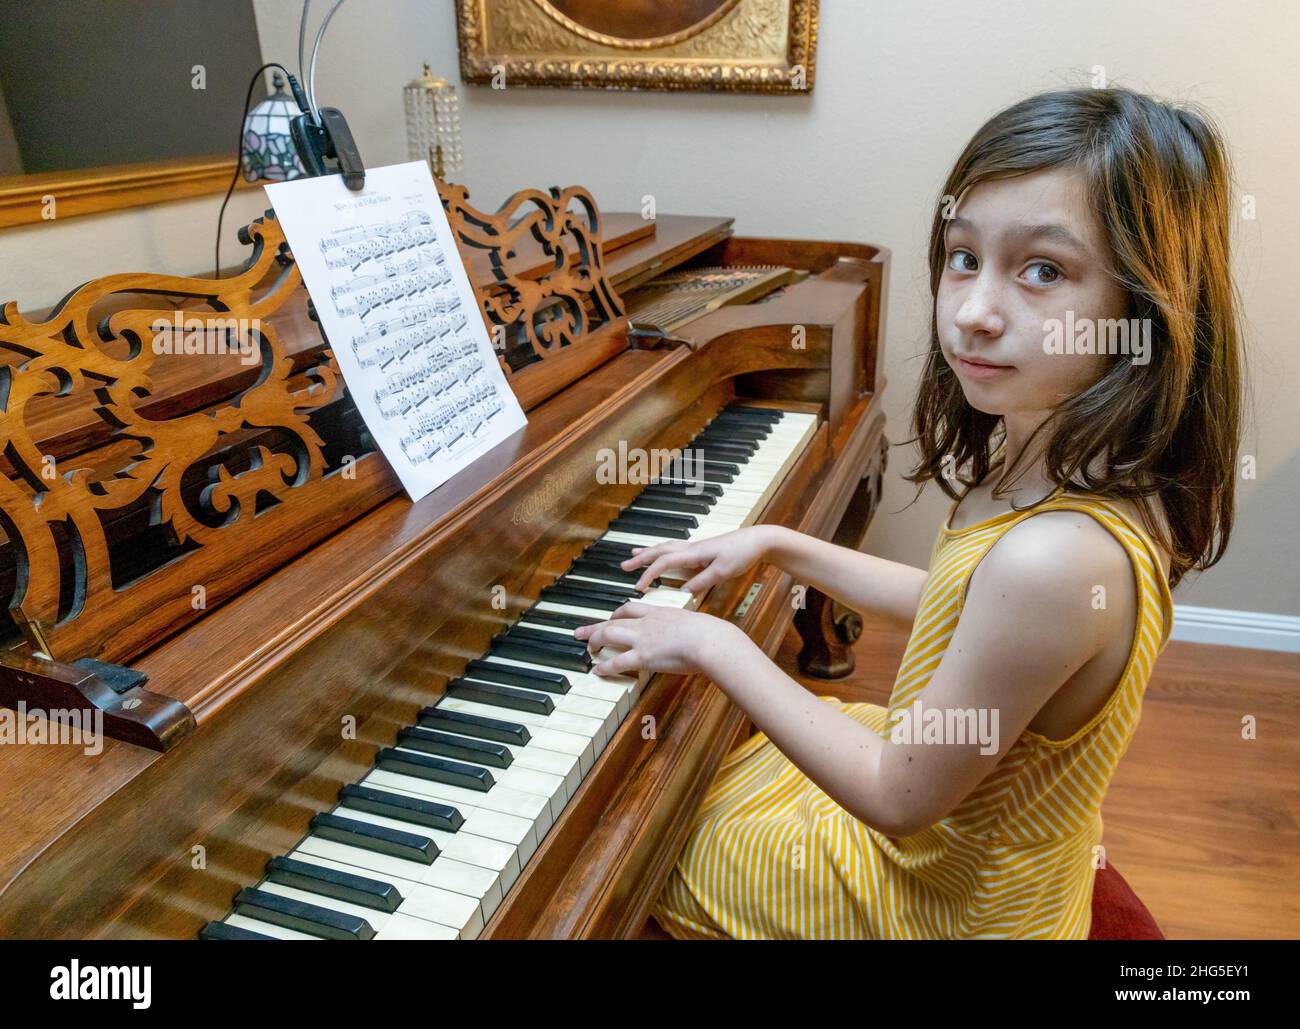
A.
pixel 1024 233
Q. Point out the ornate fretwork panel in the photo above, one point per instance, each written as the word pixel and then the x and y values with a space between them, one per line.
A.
pixel 168 441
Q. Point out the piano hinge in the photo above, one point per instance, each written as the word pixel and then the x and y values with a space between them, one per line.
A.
pixel 651 337
pixel 99 697
pixel 747 601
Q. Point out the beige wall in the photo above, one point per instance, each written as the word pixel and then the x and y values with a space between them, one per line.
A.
pixel 900 87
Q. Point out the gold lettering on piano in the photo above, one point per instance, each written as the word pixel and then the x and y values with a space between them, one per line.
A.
pixel 540 503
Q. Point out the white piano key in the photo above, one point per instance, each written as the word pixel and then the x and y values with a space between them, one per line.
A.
pixel 256 925
pixel 585 684
pixel 573 725
pixel 403 927
pixel 472 851
pixel 577 702
pixel 566 766
pixel 447 873
pixel 560 717
pixel 453 910
pixel 510 802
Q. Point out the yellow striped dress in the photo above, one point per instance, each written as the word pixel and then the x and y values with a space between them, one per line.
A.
pixel 772 856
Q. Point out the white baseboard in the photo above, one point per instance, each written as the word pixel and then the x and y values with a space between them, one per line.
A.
pixel 1228 628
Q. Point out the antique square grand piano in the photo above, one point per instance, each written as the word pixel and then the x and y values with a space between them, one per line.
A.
pixel 335 713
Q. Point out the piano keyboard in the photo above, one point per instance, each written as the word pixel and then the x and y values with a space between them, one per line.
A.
pixel 429 842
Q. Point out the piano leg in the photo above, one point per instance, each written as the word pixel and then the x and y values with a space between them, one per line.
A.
pixel 828 631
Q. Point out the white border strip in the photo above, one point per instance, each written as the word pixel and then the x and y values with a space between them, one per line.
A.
pixel 1229 628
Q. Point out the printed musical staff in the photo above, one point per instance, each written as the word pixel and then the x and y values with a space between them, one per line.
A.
pixel 394 299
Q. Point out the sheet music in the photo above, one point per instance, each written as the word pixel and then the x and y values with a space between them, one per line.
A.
pixel 389 287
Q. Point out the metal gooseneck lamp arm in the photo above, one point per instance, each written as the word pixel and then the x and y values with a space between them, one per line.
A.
pixel 321 134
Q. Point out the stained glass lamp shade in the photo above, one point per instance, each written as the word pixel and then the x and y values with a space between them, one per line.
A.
pixel 268 151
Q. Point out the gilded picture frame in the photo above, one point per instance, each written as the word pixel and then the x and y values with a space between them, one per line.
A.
pixel 737 46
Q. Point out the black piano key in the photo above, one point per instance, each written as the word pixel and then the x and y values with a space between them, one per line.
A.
pixel 654 503
pixel 739 421
pixel 699 470
pixel 666 492
pixel 304 918
pixel 479 726
pixel 721 452
pixel 329 882
pixel 513 675
pixel 728 439
pixel 379 838
pixel 609 590
pixel 540 654
pixel 739 412
pixel 222 931
pixel 459 748
pixel 578 598
pixel 692 488
pixel 626 523
pixel 435 769
pixel 501 696
pixel 609 571
pixel 704 466
pixel 718 435
pixel 691 484
pixel 722 433
pixel 728 423
pixel 402 807
pixel 608 550
pixel 722 464
pixel 658 521
pixel 558 618
pixel 723 442
pixel 545 637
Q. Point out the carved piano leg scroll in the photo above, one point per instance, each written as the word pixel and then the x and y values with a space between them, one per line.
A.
pixel 827 636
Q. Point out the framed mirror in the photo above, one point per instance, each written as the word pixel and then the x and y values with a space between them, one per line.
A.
pixel 114 103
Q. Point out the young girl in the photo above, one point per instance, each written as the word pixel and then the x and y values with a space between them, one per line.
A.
pixel 1095 476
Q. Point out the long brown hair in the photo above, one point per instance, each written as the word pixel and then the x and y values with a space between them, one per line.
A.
pixel 1159 182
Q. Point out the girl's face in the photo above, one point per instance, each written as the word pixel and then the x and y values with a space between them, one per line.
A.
pixel 1020 252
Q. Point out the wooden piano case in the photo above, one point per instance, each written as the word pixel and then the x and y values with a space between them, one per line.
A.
pixel 332 608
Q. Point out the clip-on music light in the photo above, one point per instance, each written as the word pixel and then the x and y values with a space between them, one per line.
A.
pixel 321 134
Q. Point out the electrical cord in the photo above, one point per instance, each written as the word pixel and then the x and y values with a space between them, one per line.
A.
pixel 306 103
pixel 239 153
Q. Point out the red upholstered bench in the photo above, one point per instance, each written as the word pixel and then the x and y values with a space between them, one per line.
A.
pixel 1117 913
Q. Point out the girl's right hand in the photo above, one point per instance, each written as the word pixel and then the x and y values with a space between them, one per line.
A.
pixel 713 560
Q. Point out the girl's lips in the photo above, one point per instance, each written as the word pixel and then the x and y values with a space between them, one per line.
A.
pixel 980 372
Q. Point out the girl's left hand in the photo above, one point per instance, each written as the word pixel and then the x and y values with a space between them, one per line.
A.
pixel 659 639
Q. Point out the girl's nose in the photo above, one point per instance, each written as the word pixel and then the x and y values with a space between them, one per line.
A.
pixel 980 310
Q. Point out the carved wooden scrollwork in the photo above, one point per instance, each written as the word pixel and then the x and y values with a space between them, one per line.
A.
pixel 70 514
pixel 146 481
pixel 535 318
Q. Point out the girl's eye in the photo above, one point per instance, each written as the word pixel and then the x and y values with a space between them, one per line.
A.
pixel 962 261
pixel 1053 273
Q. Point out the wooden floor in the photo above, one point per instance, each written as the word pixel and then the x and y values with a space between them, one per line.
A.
pixel 1204 825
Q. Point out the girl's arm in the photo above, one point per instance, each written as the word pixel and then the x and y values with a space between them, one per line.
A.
pixel 870 585
pixel 1028 624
